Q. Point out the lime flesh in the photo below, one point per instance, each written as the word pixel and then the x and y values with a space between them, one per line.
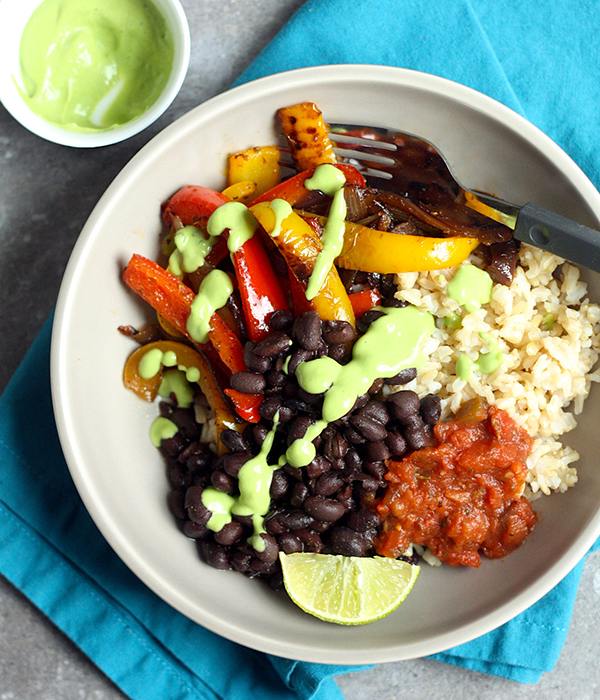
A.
pixel 347 590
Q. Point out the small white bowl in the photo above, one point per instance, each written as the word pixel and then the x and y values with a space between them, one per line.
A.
pixel 14 15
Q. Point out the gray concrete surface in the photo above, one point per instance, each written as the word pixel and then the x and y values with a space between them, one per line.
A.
pixel 46 193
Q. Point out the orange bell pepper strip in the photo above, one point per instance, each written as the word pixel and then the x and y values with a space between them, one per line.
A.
pixel 307 136
pixel 293 190
pixel 147 388
pixel 300 246
pixel 371 250
pixel 167 295
pixel 259 287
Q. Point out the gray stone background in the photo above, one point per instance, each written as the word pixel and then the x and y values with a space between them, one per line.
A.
pixel 46 194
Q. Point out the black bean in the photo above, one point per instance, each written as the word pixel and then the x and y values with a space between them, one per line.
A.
pixel 348 543
pixel 403 404
pixel 279 484
pixel 232 463
pixel 230 533
pixel 276 378
pixel 196 510
pixel 179 477
pixel 336 352
pixel 297 520
pixel 328 484
pixel 240 561
pixel 376 469
pixel 377 451
pixel 274 523
pixel 300 493
pixel 262 568
pixel 327 509
pixel 185 420
pixel 173 446
pixel 396 443
pixel 318 466
pixel 403 377
pixel 234 441
pixel 176 502
pixel 248 382
pixel 259 433
pixel 289 543
pixel 270 407
pixel 431 408
pixel 376 386
pixel 296 358
pixel 275 581
pixel 306 330
pixel 361 401
pixel 321 526
pixel 369 427
pixel 363 322
pixel 336 447
pixel 296 473
pixel 353 436
pixel 377 410
pixel 363 520
pixel 254 362
pixel 312 541
pixel 274 344
pixel 195 531
pixel 222 481
pixel 338 332
pixel 415 435
pixel 353 461
pixel 344 496
pixel 270 552
pixel 369 484
pixel 298 427
pixel 215 555
pixel 281 320
pixel 245 520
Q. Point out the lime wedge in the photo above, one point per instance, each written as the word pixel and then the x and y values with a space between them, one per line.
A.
pixel 347 590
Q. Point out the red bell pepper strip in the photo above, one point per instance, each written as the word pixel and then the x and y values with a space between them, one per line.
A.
pixel 246 405
pixel 293 190
pixel 260 290
pixel 173 300
pixel 259 287
pixel 364 301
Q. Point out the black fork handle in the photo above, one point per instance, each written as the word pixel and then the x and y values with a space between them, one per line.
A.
pixel 558 235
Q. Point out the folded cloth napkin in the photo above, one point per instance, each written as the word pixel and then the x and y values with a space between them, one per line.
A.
pixel 544 65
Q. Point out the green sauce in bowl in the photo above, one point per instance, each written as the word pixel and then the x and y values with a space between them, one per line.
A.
pixel 91 65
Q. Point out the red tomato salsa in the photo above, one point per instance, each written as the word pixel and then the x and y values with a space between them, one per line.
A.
pixel 462 498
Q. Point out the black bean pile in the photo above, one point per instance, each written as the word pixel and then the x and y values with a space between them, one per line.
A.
pixel 326 506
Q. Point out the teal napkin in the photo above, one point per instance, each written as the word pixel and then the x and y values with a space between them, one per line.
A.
pixel 51 550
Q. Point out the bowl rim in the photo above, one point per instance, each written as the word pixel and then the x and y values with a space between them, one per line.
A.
pixel 349 74
pixel 12 101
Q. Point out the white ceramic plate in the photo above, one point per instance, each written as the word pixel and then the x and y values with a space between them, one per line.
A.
pixel 104 428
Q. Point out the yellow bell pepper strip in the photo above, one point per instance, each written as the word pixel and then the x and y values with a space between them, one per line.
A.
pixel 259 166
pixel 147 387
pixel 293 190
pixel 371 250
pixel 307 136
pixel 300 246
pixel 243 192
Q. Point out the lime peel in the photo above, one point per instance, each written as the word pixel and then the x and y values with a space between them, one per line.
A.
pixel 347 590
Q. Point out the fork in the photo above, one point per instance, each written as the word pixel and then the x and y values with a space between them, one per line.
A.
pixel 384 156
